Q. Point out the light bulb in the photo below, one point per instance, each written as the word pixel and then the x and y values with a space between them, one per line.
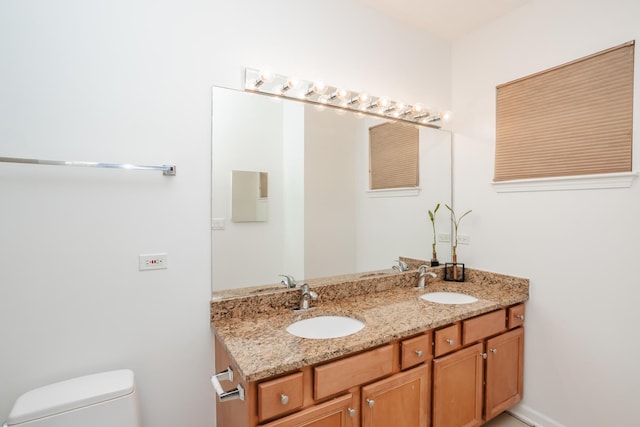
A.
pixel 317 87
pixel 343 94
pixel 265 76
pixel 391 108
pixel 384 102
pixel 289 84
pixel 340 94
pixel 399 109
pixel 361 98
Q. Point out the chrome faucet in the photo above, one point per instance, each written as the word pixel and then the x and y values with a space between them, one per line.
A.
pixel 422 276
pixel 402 266
pixel 306 296
pixel 289 282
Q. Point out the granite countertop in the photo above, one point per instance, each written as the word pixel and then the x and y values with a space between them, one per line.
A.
pixel 253 327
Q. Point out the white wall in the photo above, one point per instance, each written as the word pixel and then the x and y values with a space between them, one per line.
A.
pixel 329 188
pixel 579 248
pixel 258 147
pixel 129 81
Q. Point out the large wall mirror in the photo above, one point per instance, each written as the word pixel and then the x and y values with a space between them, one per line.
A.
pixel 321 220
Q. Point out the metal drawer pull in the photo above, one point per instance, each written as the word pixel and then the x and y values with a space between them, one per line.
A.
pixel 419 353
pixel 284 399
pixel 352 412
pixel 520 316
pixel 450 341
pixel 370 402
pixel 223 396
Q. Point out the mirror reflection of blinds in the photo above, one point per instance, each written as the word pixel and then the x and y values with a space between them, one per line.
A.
pixel 575 119
pixel 264 185
pixel 393 156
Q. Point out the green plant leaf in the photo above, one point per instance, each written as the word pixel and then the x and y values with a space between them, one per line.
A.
pixel 464 214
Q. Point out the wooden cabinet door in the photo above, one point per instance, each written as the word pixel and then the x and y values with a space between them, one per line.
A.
pixel 504 372
pixel 400 400
pixel 334 413
pixel 457 388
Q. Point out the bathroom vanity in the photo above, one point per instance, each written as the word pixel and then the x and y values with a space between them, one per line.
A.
pixel 415 363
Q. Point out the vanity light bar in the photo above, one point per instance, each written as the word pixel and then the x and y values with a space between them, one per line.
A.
pixel 266 83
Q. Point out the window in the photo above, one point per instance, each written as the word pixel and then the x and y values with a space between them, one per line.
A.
pixel 575 119
pixel 393 156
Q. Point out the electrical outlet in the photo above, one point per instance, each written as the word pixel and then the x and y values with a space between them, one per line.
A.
pixel 463 239
pixel 153 261
pixel 444 237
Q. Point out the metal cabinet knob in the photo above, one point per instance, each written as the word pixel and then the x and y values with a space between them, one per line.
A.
pixel 370 402
pixel 484 355
pixel 493 350
pixel 450 341
pixel 284 399
pixel 419 353
pixel 352 412
pixel 520 316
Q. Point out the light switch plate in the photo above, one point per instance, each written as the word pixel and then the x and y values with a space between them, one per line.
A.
pixel 444 237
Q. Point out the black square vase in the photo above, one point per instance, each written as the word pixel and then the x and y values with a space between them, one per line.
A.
pixel 450 268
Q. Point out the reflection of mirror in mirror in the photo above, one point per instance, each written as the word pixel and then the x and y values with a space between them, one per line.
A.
pixel 323 221
pixel 249 196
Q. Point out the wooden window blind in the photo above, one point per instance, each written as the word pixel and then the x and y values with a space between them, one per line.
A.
pixel 393 156
pixel 575 119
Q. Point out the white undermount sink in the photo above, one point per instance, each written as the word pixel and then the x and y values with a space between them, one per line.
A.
pixel 322 327
pixel 448 298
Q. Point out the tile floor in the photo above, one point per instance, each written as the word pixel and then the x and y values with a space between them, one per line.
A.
pixel 505 420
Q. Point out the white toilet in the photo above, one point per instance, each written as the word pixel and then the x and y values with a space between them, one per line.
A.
pixel 107 399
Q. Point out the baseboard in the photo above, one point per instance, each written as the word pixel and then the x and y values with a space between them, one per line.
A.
pixel 533 417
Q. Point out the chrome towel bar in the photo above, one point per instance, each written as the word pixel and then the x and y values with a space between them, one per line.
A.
pixel 169 170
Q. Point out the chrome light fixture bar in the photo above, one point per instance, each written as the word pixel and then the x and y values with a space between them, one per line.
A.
pixel 267 83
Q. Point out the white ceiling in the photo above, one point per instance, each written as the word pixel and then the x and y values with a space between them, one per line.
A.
pixel 449 19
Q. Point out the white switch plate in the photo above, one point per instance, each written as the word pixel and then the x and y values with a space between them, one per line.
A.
pixel 153 261
pixel 217 223
pixel 463 239
pixel 444 237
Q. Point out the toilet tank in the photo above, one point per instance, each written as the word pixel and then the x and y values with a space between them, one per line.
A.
pixel 107 399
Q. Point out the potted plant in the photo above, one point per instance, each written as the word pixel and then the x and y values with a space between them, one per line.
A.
pixel 456 270
pixel 434 254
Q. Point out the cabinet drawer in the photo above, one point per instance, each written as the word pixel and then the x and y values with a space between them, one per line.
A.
pixel 447 339
pixel 483 326
pixel 515 316
pixel 278 396
pixel 340 375
pixel 415 351
pixel 336 412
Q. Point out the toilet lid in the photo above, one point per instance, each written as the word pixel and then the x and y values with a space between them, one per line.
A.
pixel 71 394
